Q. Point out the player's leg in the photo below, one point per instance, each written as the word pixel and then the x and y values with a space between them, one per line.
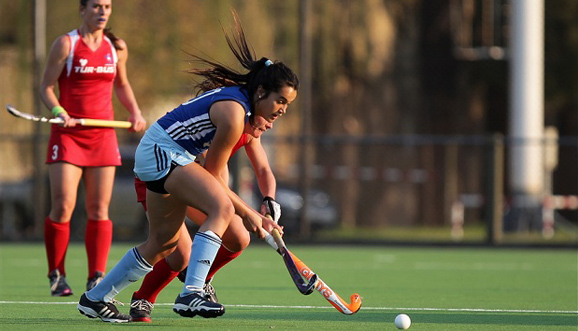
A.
pixel 235 239
pixel 98 183
pixel 204 193
pixel 162 274
pixel 166 214
pixel 64 180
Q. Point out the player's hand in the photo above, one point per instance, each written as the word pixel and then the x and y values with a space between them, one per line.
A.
pixel 271 207
pixel 138 123
pixel 269 224
pixel 254 224
pixel 69 122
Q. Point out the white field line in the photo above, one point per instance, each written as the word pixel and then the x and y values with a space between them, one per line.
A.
pixel 476 310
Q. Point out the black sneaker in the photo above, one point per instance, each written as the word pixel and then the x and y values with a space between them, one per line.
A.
pixel 58 285
pixel 92 282
pixel 107 312
pixel 193 304
pixel 210 293
pixel 140 310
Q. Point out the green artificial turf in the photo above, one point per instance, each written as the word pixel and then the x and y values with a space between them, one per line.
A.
pixel 446 288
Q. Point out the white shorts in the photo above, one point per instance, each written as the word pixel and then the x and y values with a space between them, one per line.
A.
pixel 155 154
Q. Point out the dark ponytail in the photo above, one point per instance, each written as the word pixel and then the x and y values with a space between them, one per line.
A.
pixel 114 39
pixel 272 76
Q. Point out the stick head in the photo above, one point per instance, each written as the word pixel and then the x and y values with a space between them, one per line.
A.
pixel 12 110
pixel 355 304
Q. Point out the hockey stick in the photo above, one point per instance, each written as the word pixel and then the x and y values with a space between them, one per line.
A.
pixel 330 295
pixel 274 239
pixel 80 121
pixel 327 292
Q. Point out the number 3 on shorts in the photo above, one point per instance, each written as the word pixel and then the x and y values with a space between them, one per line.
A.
pixel 54 152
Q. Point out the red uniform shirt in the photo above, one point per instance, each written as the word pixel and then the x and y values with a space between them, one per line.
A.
pixel 85 87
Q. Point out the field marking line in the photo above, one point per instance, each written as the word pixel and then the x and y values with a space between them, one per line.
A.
pixel 476 310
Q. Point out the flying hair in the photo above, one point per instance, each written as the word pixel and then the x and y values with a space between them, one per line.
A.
pixel 271 75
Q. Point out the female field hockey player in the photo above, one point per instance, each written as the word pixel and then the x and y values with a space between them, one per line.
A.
pixel 235 239
pixel 164 160
pixel 87 63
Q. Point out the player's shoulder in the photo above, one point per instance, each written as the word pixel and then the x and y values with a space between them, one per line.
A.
pixel 62 40
pixel 121 43
pixel 61 45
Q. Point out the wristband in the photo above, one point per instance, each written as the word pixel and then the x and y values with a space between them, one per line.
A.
pixel 58 110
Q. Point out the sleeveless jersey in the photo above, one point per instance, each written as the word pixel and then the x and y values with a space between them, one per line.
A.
pixel 85 87
pixel 86 83
pixel 190 126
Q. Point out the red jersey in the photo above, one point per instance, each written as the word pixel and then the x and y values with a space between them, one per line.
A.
pixel 85 87
pixel 86 83
pixel 242 142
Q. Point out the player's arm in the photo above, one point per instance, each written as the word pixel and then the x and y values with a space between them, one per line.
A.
pixel 258 157
pixel 228 117
pixel 124 90
pixel 265 178
pixel 54 66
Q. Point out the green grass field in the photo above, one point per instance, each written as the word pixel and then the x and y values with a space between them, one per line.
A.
pixel 439 288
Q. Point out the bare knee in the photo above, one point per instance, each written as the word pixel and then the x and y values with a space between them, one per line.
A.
pixel 239 243
pixel 219 218
pixel 62 210
pixel 236 238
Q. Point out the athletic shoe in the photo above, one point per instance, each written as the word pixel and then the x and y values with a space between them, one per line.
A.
pixel 92 282
pixel 58 285
pixel 107 312
pixel 193 304
pixel 140 310
pixel 210 293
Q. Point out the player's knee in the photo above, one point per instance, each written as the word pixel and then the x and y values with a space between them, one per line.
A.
pixel 62 212
pixel 240 243
pixel 226 211
pixel 178 259
pixel 97 211
pixel 236 238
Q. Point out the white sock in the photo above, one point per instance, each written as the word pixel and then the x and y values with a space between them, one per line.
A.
pixel 205 247
pixel 129 269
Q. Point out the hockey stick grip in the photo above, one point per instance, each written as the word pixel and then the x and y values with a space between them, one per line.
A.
pixel 277 237
pixel 104 123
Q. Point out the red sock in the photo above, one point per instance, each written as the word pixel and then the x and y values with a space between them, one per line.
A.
pixel 223 257
pixel 97 240
pixel 56 237
pixel 155 281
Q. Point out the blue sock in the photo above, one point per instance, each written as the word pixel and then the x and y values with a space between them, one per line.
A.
pixel 129 269
pixel 203 252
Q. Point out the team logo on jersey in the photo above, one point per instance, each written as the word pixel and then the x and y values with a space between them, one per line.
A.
pixel 84 69
pixel 108 57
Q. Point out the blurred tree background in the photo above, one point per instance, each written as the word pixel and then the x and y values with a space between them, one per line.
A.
pixel 379 68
